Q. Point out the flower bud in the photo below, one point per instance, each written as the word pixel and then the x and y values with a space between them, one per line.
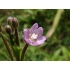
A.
pixel 9 20
pixel 8 29
pixel 15 22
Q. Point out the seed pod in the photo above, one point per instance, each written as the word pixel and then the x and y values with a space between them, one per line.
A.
pixel 15 22
pixel 8 29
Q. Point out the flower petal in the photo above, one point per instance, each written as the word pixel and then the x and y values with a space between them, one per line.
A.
pixel 26 33
pixel 29 42
pixel 38 42
pixel 34 27
pixel 41 40
pixel 39 31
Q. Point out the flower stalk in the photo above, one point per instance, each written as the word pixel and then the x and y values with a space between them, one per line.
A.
pixel 15 25
pixel 11 40
pixel 23 51
pixel 16 35
pixel 9 32
pixel 7 46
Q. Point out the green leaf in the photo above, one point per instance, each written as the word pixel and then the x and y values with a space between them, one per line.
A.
pixel 56 54
pixel 1 19
pixel 17 52
pixel 66 53
pixel 3 56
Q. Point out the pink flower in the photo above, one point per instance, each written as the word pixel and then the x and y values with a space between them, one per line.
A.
pixel 33 36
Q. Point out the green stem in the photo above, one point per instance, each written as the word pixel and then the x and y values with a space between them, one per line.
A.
pixel 0 28
pixel 23 52
pixel 55 23
pixel 4 55
pixel 7 46
pixel 11 40
pixel 16 35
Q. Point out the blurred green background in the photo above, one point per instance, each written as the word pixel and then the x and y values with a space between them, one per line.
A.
pixel 56 48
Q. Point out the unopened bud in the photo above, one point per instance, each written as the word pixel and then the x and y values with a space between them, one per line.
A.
pixel 15 22
pixel 8 29
pixel 9 20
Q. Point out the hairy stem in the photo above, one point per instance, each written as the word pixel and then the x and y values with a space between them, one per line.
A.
pixel 7 46
pixel 11 39
pixel 23 52
pixel 16 35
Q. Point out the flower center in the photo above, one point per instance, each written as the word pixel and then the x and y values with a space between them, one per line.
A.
pixel 32 37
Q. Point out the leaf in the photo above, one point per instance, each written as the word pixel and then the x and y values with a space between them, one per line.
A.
pixel 56 54
pixel 3 55
pixel 17 52
pixel 65 52
pixel 1 19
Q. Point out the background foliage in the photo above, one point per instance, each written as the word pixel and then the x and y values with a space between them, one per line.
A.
pixel 56 48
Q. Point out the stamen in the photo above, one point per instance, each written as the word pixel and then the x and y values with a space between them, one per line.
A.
pixel 32 37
